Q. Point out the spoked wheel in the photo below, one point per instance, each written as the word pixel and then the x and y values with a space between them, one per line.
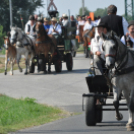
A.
pixel 58 65
pixel 69 62
pixel 90 111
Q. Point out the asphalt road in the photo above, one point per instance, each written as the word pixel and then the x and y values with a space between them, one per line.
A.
pixel 63 90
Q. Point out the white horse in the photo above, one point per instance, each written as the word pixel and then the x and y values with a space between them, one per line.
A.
pixel 24 46
pixel 120 60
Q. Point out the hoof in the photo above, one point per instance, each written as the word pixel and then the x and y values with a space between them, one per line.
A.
pixel 130 128
pixel 21 70
pixel 45 72
pixel 5 73
pixel 25 73
pixel 120 117
pixel 11 73
pixel 49 72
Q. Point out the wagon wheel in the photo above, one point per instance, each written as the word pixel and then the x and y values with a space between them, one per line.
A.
pixel 98 113
pixel 90 111
pixel 58 65
pixel 69 62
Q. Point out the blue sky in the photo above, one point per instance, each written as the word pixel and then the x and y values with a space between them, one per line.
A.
pixel 92 5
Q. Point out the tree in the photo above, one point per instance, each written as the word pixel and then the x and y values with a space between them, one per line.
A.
pixel 28 7
pixel 1 36
pixel 100 12
pixel 86 11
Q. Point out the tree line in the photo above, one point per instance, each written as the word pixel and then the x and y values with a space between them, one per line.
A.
pixel 100 12
pixel 27 7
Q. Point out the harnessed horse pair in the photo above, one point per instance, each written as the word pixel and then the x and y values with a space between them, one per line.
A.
pixel 29 46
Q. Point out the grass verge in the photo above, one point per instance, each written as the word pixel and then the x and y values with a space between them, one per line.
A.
pixel 16 114
pixel 2 65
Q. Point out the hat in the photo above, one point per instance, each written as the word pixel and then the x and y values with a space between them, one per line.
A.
pixel 40 19
pixel 130 23
pixel 54 19
pixel 64 15
pixel 104 25
pixel 45 19
pixel 88 17
pixel 31 17
pixel 111 9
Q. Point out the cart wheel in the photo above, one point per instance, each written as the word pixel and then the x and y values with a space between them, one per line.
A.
pixel 58 65
pixel 90 111
pixel 32 68
pixel 99 114
pixel 69 62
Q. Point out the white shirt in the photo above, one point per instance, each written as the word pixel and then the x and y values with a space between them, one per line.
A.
pixel 81 23
pixel 96 45
pixel 87 26
pixel 123 40
pixel 125 25
pixel 58 29
pixel 31 32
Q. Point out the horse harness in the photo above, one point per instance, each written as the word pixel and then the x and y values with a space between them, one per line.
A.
pixel 119 69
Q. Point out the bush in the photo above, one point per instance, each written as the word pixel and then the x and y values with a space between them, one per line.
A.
pixel 1 36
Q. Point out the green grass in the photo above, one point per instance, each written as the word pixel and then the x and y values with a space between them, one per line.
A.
pixel 2 52
pixel 16 114
pixel 80 49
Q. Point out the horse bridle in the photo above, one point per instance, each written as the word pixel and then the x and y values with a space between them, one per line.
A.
pixel 121 64
pixel 111 55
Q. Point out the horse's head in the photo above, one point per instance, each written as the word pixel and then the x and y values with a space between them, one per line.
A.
pixel 39 28
pixel 110 47
pixel 16 34
pixel 6 42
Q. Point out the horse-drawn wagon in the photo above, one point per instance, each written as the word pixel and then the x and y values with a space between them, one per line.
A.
pixel 62 52
pixel 96 100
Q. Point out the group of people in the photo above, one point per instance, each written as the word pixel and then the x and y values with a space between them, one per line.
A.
pixel 117 24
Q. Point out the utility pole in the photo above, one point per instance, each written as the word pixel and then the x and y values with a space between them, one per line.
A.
pixel 129 10
pixel 11 15
pixel 83 7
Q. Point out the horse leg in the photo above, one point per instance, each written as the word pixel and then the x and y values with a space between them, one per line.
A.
pixel 45 69
pixel 116 93
pixel 130 124
pixel 18 61
pixel 49 63
pixel 38 63
pixel 27 65
pixel 6 61
pixel 11 70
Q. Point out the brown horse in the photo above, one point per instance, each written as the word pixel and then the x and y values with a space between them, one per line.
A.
pixel 10 53
pixel 44 45
pixel 87 37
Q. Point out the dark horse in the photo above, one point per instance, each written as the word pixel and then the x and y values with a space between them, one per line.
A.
pixel 45 45
pixel 87 36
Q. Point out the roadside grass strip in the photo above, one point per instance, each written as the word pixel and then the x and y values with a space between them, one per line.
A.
pixel 2 65
pixel 16 114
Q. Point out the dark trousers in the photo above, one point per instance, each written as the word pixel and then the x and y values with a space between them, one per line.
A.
pixel 99 63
